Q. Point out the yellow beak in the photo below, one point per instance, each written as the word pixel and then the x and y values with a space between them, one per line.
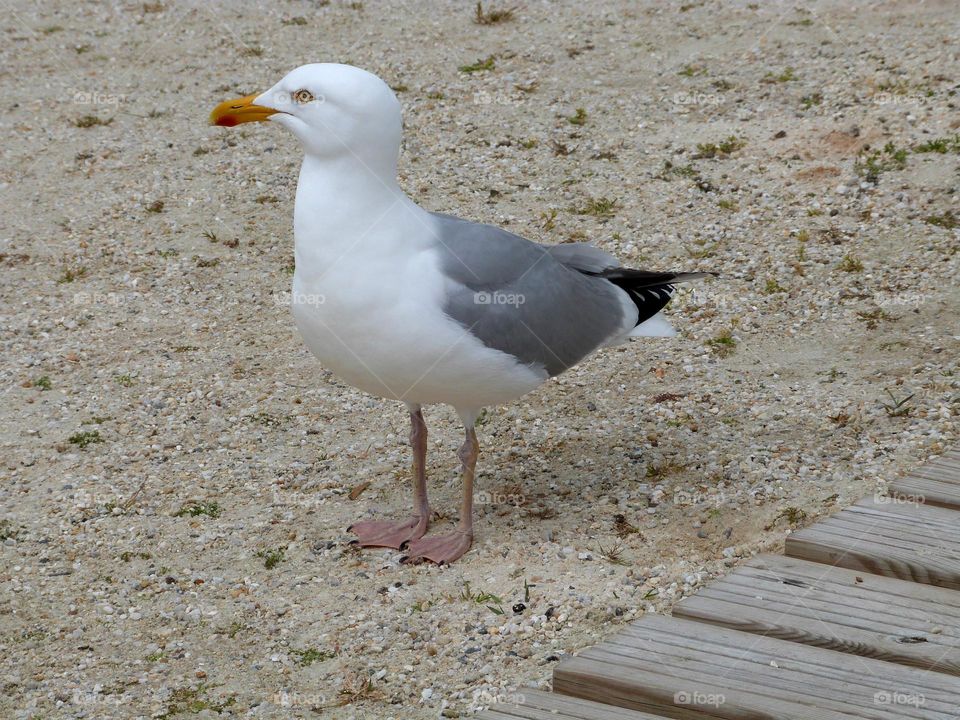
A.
pixel 241 110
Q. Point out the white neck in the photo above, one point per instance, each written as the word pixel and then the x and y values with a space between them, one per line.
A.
pixel 341 201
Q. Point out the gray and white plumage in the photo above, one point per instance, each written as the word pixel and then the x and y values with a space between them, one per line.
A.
pixel 427 308
pixel 547 306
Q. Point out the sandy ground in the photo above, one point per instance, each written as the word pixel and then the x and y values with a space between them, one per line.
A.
pixel 178 472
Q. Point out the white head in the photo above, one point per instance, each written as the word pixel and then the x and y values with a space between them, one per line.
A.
pixel 335 110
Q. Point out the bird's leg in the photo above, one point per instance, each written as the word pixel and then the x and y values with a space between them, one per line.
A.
pixel 447 548
pixel 383 533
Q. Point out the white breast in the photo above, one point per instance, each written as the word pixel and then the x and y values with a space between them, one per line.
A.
pixel 370 307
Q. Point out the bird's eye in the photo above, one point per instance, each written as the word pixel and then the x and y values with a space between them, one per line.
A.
pixel 302 97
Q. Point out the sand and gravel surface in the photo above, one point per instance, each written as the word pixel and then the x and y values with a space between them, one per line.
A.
pixel 178 472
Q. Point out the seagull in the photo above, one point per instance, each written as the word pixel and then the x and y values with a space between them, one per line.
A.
pixel 426 308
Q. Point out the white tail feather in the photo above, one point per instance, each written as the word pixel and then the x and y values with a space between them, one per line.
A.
pixel 657 326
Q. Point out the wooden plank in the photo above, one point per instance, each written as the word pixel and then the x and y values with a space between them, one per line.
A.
pixel 536 705
pixel 690 670
pixel 907 541
pixel 937 482
pixel 837 609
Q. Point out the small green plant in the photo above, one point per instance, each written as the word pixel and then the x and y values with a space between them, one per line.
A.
pixel 792 515
pixel 727 204
pixel 671 171
pixel 307 657
pixel 723 344
pixel 85 439
pixel 940 145
pixel 491 17
pixel 808 101
pixel 773 287
pixel 89 121
pixel 788 75
pixel 480 66
pixel 125 380
pixel 702 250
pixel 897 407
pixel 71 273
pixel 482 598
pixel 235 627
pixel 251 51
pixel 692 71
pixel 43 382
pixel 155 656
pixel 271 558
pixel 873 317
pixel 601 207
pixel 850 264
pixel 127 555
pixel 210 509
pixel 613 554
pixel 579 117
pixel 193 701
pixel 947 220
pixel 721 149
pixel 871 165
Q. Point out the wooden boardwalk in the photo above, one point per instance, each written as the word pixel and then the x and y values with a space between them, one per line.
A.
pixel 860 618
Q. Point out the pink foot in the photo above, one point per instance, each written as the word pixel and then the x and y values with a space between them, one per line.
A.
pixel 439 548
pixel 383 533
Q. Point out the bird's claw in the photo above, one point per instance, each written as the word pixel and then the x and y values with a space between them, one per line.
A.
pixel 440 549
pixel 385 533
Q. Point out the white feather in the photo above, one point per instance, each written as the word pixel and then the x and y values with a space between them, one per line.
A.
pixel 657 326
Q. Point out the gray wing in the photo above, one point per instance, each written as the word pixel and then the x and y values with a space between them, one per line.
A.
pixel 528 300
pixel 583 256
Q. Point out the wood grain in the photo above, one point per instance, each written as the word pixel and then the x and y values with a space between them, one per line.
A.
pixel 935 483
pixel 837 609
pixel 907 541
pixel 658 663
pixel 537 705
